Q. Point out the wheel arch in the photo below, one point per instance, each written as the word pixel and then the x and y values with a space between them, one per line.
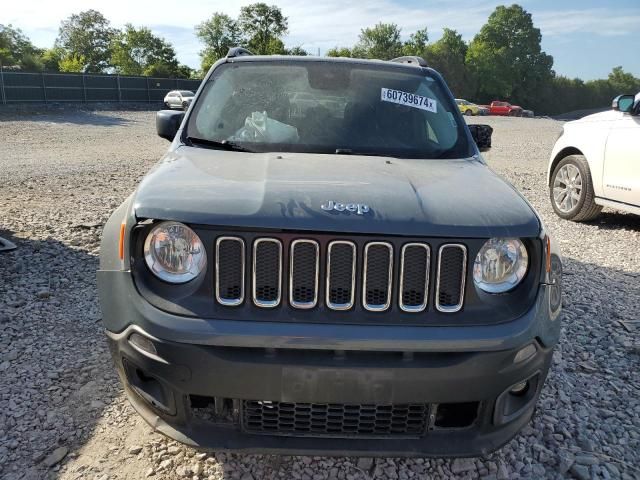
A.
pixel 565 152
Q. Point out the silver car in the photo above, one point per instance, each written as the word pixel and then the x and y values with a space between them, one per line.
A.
pixel 178 99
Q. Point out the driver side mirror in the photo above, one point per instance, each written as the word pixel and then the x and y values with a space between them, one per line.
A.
pixel 167 123
pixel 482 136
pixel 623 103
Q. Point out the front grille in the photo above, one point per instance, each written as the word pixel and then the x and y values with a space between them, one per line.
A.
pixel 452 267
pixel 414 277
pixel 332 419
pixel 378 275
pixel 341 275
pixel 267 272
pixel 303 281
pixel 331 274
pixel 230 270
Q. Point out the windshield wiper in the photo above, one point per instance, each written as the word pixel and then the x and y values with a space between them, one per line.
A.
pixel 350 151
pixel 224 144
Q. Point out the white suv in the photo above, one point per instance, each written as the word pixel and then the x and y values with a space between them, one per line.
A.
pixel 178 99
pixel 595 163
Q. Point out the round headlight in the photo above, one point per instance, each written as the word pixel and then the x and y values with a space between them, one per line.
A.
pixel 174 253
pixel 500 265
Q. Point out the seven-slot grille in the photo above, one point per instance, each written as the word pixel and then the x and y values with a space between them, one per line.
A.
pixel 343 274
pixel 452 270
pixel 334 419
pixel 230 270
pixel 304 268
pixel 414 277
pixel 267 272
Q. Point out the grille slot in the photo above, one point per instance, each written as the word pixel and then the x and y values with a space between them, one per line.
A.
pixel 452 268
pixel 230 269
pixel 377 277
pixel 303 271
pixel 267 272
pixel 338 420
pixel 414 277
pixel 341 275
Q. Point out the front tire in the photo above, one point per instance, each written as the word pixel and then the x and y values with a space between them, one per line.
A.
pixel 468 112
pixel 571 190
pixel 185 105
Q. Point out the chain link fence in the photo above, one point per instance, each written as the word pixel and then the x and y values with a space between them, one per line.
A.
pixel 23 87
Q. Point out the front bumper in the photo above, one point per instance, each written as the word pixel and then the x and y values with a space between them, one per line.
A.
pixel 194 388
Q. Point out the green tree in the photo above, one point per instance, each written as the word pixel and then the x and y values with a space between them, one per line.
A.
pixel 218 34
pixel 184 71
pixel 87 35
pixel 16 50
pixel 339 52
pixel 299 51
pixel 417 43
pixel 262 27
pixel 623 82
pixel 51 59
pixel 72 63
pixel 136 51
pixel 506 58
pixel 447 56
pixel 381 41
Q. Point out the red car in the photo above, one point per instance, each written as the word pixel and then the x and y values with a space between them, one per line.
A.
pixel 504 108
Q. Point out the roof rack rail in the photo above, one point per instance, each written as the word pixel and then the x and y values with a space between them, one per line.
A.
pixel 411 60
pixel 238 52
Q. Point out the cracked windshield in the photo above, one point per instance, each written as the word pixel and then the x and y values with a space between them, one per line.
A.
pixel 342 108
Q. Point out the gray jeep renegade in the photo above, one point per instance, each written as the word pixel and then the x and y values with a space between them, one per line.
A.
pixel 323 263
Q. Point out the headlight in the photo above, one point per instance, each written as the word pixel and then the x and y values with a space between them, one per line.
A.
pixel 500 265
pixel 174 253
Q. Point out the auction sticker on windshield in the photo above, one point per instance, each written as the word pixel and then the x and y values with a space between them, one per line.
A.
pixel 409 99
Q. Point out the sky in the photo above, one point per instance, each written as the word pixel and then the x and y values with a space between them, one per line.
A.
pixel 586 38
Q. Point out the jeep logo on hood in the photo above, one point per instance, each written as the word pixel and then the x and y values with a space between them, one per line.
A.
pixel 357 208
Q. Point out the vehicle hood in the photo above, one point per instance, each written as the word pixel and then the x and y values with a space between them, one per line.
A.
pixel 606 116
pixel 447 198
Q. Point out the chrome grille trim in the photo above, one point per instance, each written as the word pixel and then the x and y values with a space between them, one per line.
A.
pixel 303 305
pixel 256 300
pixel 423 306
pixel 385 306
pixel 230 302
pixel 341 306
pixel 458 306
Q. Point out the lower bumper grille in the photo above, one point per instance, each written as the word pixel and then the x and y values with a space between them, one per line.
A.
pixel 338 420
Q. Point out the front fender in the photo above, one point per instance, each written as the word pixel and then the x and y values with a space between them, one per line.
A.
pixel 110 242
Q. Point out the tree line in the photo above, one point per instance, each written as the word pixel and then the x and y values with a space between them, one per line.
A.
pixel 87 42
pixel 503 61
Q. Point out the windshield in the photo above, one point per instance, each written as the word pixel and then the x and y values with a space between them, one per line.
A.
pixel 186 93
pixel 329 107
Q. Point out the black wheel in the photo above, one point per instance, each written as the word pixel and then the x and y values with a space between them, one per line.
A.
pixel 185 105
pixel 468 112
pixel 167 105
pixel 571 190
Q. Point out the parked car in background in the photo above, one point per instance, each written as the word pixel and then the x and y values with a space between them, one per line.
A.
pixel 467 108
pixel 483 110
pixel 178 99
pixel 595 163
pixel 323 263
pixel 498 107
pixel 527 113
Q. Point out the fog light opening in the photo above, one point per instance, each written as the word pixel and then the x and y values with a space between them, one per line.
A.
pixel 140 342
pixel 520 389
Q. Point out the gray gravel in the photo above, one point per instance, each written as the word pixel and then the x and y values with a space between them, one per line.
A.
pixel 62 411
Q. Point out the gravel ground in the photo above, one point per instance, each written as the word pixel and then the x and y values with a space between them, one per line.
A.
pixel 63 413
